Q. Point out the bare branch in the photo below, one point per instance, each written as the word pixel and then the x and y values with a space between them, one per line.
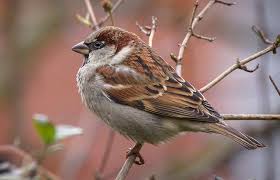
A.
pixel 195 6
pixel 210 39
pixel 96 25
pixel 153 30
pixel 143 29
pixel 149 31
pixel 91 13
pixel 193 22
pixel 107 6
pixel 84 20
pixel 107 152
pixel 261 35
pixel 104 19
pixel 232 68
pixel 274 85
pixel 251 116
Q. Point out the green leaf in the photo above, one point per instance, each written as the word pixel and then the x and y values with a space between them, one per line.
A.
pixel 45 129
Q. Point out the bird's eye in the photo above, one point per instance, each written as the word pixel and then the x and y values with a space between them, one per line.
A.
pixel 97 45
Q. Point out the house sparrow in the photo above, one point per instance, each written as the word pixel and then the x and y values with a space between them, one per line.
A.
pixel 132 89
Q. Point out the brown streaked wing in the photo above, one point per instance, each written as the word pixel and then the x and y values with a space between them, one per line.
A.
pixel 139 91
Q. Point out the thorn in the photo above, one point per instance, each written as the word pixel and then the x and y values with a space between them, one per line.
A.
pixel 225 3
pixel 245 68
pixel 274 85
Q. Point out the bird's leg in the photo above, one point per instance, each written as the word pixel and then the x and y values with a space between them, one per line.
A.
pixel 135 152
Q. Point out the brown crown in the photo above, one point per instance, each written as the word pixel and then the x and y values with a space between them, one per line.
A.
pixel 113 36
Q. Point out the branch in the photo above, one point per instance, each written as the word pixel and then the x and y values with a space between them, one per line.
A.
pixel 149 31
pixel 96 25
pixel 261 35
pixel 106 155
pixel 198 36
pixel 107 6
pixel 153 30
pixel 104 19
pixel 241 63
pixel 274 85
pixel 91 13
pixel 251 116
pixel 193 22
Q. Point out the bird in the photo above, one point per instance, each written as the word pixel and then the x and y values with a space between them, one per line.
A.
pixel 138 94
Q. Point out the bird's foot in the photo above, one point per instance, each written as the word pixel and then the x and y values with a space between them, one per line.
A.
pixel 139 160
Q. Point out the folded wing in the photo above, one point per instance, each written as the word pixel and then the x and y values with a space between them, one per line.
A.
pixel 156 88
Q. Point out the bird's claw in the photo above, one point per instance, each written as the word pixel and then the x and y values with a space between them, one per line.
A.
pixel 139 160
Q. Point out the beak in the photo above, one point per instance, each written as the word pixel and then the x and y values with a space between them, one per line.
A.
pixel 81 48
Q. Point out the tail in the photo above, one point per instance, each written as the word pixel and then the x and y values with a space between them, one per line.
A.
pixel 242 139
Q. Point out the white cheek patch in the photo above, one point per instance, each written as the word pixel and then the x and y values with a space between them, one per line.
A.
pixel 101 56
pixel 121 55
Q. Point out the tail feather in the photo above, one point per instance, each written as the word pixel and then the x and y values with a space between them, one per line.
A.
pixel 242 139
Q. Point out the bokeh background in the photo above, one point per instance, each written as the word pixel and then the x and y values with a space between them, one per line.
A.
pixel 38 69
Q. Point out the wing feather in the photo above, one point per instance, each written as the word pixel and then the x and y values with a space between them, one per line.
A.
pixel 155 87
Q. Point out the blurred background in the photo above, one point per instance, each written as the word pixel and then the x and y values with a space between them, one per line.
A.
pixel 38 70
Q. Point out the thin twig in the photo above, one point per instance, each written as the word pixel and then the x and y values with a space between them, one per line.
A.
pixel 107 6
pixel 143 29
pixel 149 31
pixel 274 85
pixel 235 66
pixel 112 19
pixel 193 13
pixel 198 36
pixel 91 13
pixel 107 152
pixel 193 22
pixel 84 20
pixel 153 30
pixel 104 19
pixel 251 116
pixel 261 35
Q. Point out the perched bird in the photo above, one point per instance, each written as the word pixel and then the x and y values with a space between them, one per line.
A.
pixel 132 89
